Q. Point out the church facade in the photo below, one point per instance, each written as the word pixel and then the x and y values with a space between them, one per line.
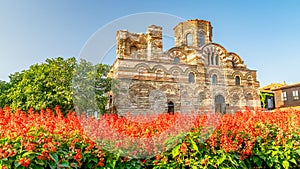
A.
pixel 194 75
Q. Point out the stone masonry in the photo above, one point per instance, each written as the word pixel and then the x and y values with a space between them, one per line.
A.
pixel 194 75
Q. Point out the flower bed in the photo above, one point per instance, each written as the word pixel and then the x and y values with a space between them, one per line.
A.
pixel 249 139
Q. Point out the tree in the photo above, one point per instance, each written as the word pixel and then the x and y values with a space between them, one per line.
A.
pixel 4 86
pixel 90 87
pixel 46 85
pixel 103 86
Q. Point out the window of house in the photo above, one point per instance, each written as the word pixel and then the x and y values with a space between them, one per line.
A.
pixel 214 79
pixel 295 95
pixel 283 96
pixel 237 81
pixel 217 60
pixel 189 39
pixel 191 78
pixel 212 59
pixel 110 100
pixel 201 39
pixel 270 104
pixel 171 107
pixel 249 78
pixel 175 74
pixel 208 59
pixel 176 60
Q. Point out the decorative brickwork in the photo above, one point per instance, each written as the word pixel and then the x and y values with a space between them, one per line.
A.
pixel 195 75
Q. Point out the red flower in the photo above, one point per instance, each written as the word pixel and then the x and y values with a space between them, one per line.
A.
pixel 204 161
pixel 101 162
pixel 29 146
pixel 3 167
pixel 157 157
pixel 78 156
pixel 53 149
pixel 184 148
pixel 24 161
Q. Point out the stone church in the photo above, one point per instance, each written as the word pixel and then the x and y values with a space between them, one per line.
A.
pixel 194 75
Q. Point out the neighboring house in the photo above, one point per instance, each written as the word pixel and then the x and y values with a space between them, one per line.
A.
pixel 284 95
pixel 287 96
pixel 194 75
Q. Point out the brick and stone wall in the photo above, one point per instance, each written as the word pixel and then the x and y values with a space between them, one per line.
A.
pixel 191 77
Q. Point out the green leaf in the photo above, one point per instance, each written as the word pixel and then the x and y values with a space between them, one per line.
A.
pixel 232 161
pixel 54 157
pixel 194 145
pixel 285 164
pixel 90 165
pixel 293 161
pixel 93 159
pixel 38 167
pixel 274 153
pixel 62 152
pixel 39 162
pixel 221 159
pixel 64 164
pixel 74 165
pixel 28 153
pixel 257 161
pixel 51 164
pixel 269 163
pixel 17 164
pixel 175 150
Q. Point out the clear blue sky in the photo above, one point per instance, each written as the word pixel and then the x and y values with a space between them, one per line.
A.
pixel 266 34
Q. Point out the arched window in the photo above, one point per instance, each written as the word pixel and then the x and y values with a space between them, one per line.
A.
pixel 214 79
pixel 217 60
pixel 176 60
pixel 237 80
pixel 171 107
pixel 220 105
pixel 249 96
pixel 191 78
pixel 201 39
pixel 189 39
pixel 232 64
pixel 212 59
pixel 249 79
pixel 175 74
pixel 208 58
pixel 110 100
